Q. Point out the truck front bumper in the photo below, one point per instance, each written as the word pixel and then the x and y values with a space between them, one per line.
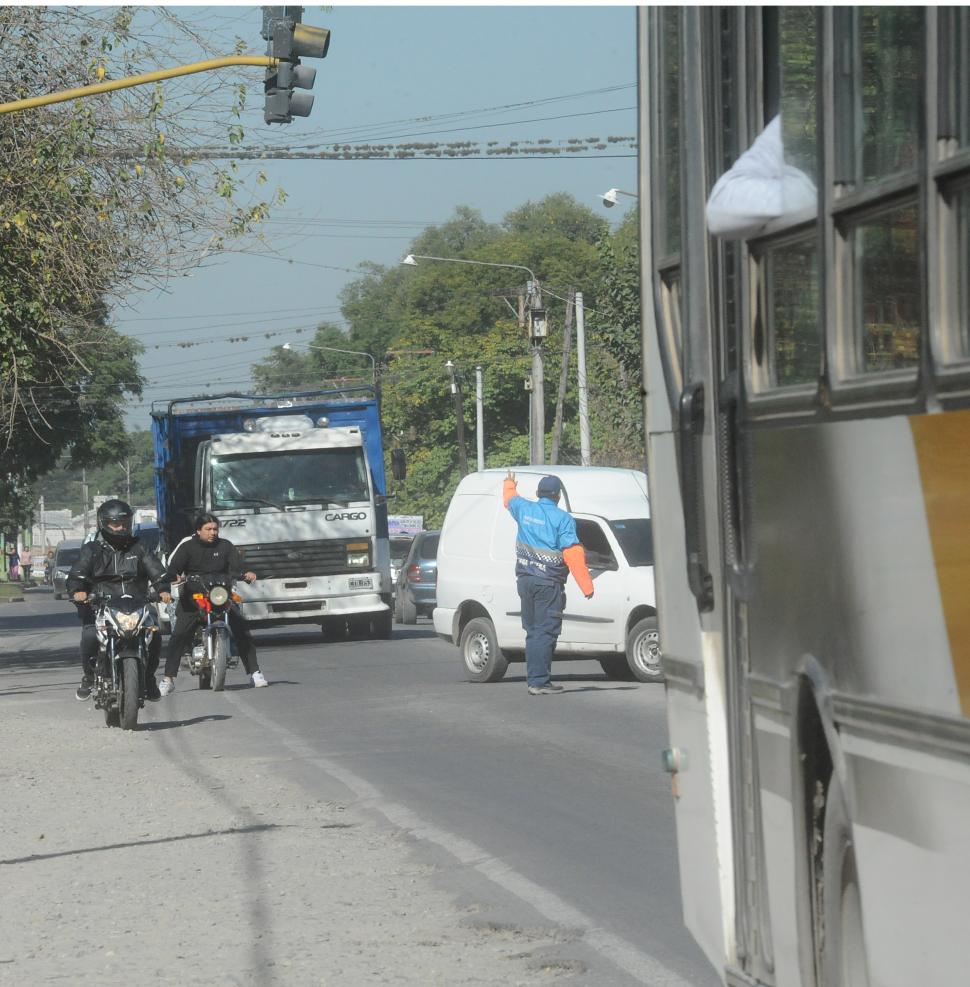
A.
pixel 310 600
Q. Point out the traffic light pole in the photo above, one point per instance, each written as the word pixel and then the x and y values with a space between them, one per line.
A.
pixel 129 82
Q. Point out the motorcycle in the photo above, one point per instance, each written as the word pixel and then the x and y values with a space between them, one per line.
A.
pixel 211 656
pixel 124 626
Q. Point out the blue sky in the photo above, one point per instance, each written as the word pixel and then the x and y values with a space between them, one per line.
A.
pixel 546 73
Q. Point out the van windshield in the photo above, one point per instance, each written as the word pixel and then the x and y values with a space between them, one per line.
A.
pixel 636 540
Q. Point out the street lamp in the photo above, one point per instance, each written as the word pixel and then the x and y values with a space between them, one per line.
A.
pixel 335 349
pixel 538 329
pixel 610 197
pixel 412 261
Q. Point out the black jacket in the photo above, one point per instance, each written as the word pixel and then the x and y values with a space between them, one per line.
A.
pixel 102 567
pixel 195 557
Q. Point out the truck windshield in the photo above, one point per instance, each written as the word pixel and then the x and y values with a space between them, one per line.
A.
pixel 310 476
pixel 636 539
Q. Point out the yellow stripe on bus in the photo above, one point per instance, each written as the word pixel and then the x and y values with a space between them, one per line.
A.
pixel 943 451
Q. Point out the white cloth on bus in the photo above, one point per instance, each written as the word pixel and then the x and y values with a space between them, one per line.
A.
pixel 758 188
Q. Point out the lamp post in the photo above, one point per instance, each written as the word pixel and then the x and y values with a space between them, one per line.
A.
pixel 335 349
pixel 479 420
pixel 459 418
pixel 534 317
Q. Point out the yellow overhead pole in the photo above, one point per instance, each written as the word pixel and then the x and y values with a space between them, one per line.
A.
pixel 138 80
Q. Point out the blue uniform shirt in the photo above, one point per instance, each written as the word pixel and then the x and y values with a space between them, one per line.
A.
pixel 544 531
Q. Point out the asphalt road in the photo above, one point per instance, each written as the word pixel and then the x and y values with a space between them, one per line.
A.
pixel 550 809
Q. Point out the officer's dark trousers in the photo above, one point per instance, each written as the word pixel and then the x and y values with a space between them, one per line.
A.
pixel 542 605
pixel 186 623
pixel 89 645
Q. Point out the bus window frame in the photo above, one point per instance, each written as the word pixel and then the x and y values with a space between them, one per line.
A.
pixel 847 202
pixel 765 395
pixel 667 267
pixel 948 176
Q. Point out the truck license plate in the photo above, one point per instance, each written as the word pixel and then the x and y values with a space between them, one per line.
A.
pixel 361 582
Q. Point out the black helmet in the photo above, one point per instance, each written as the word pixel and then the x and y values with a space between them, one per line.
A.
pixel 118 512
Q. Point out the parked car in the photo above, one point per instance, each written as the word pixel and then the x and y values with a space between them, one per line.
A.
pixel 417 583
pixel 399 551
pixel 478 605
pixel 66 554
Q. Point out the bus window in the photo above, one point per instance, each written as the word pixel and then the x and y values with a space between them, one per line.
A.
pixel 888 296
pixel 877 220
pixel 890 39
pixel 670 138
pixel 791 305
pixel 797 59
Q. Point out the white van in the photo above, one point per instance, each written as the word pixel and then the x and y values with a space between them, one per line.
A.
pixel 478 605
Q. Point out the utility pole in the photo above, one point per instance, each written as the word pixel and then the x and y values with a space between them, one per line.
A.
pixel 459 419
pixel 43 527
pixel 567 338
pixel 126 466
pixel 581 374
pixel 479 419
pixel 84 496
pixel 538 330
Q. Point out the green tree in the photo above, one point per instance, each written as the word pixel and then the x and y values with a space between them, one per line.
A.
pixel 97 197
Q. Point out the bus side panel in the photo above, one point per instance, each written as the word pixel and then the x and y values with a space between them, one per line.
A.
pixel 845 579
pixel 706 889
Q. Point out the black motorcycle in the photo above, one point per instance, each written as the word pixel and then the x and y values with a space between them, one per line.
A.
pixel 211 656
pixel 125 625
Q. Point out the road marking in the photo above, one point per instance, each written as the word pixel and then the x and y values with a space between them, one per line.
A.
pixel 638 964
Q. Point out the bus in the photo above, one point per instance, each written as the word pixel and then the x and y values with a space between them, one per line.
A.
pixel 804 197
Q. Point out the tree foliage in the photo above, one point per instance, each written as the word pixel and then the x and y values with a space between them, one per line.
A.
pixel 413 320
pixel 97 197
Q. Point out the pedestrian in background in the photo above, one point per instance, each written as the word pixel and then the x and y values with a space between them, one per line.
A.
pixel 26 561
pixel 547 549
pixel 13 560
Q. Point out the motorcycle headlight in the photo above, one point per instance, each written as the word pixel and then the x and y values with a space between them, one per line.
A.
pixel 218 595
pixel 128 622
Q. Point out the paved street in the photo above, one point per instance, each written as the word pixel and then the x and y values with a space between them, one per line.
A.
pixel 544 820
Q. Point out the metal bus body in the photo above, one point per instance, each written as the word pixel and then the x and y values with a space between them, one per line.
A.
pixel 808 439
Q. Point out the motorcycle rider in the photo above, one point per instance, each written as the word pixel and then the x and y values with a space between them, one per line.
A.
pixel 206 554
pixel 115 562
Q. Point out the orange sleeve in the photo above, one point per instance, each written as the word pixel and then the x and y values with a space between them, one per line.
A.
pixel 509 490
pixel 575 559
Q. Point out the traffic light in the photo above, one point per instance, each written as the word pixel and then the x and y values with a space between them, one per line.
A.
pixel 289 40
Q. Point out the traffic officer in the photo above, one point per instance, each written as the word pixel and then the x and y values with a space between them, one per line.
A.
pixel 547 549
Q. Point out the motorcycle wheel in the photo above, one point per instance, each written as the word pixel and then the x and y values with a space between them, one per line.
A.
pixel 205 678
pixel 128 694
pixel 220 661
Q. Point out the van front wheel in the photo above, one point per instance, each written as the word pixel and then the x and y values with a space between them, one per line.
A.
pixel 643 651
pixel 484 661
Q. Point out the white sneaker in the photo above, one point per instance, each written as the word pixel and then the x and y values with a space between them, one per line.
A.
pixel 259 680
pixel 165 687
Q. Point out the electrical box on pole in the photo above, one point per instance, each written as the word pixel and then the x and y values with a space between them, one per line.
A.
pixel 289 40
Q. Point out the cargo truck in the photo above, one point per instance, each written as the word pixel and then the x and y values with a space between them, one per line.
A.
pixel 297 483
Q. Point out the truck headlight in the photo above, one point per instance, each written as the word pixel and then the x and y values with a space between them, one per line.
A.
pixel 358 554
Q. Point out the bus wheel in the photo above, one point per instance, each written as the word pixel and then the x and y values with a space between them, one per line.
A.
pixel 843 948
pixel 643 651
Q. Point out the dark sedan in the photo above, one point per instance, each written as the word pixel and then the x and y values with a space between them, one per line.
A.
pixel 417 582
